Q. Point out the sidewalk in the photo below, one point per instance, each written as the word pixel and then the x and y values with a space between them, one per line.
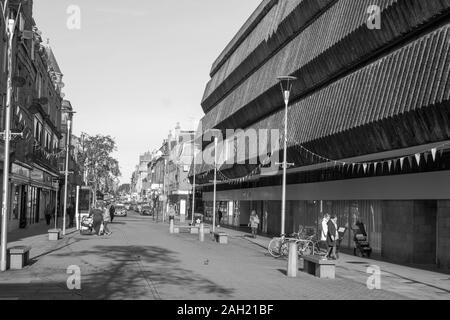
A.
pixel 29 283
pixel 410 282
pixel 36 237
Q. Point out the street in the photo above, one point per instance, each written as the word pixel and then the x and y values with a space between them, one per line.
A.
pixel 141 260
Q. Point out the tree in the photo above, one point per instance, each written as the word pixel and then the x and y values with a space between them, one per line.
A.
pixel 124 189
pixel 101 167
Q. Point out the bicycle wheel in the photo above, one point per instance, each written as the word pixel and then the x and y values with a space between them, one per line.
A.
pixel 284 249
pixel 305 248
pixel 274 247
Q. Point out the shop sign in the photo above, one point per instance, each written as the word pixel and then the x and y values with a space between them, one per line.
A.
pixel 20 171
pixel 37 175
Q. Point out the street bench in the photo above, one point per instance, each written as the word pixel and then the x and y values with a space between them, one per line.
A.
pixel 221 237
pixel 54 234
pixel 183 229
pixel 320 267
pixel 189 229
pixel 19 257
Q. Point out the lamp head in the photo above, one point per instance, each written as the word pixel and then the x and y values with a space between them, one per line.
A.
pixel 286 86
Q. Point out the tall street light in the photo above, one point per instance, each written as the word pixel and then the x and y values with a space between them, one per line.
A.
pixel 286 88
pixel 69 123
pixel 10 29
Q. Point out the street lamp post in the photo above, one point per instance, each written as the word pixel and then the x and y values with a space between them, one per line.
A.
pixel 286 87
pixel 11 26
pixel 215 184
pixel 69 123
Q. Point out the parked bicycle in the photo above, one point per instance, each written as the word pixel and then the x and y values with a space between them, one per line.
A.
pixel 306 240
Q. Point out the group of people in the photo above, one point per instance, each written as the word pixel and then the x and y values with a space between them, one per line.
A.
pixel 50 213
pixel 102 215
pixel 330 236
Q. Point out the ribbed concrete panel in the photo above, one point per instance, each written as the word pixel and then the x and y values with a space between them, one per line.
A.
pixel 399 101
pixel 280 23
pixel 335 42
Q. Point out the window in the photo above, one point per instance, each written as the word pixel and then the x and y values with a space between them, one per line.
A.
pixel 47 140
pixel 55 143
pixel 39 85
pixel 37 130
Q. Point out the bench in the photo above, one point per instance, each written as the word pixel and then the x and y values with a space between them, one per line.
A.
pixel 189 229
pixel 19 257
pixel 54 234
pixel 320 267
pixel 221 237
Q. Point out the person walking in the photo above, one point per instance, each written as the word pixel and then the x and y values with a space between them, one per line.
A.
pixel 71 213
pixel 220 214
pixel 106 221
pixel 112 212
pixel 254 223
pixel 97 217
pixel 171 212
pixel 324 232
pixel 332 238
pixel 48 214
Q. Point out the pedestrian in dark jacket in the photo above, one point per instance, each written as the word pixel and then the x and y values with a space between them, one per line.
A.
pixel 71 213
pixel 112 212
pixel 48 214
pixel 332 238
pixel 97 215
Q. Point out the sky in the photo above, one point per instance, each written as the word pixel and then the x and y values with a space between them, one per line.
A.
pixel 133 69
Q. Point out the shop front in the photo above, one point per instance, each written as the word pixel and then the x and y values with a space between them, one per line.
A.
pixel 32 190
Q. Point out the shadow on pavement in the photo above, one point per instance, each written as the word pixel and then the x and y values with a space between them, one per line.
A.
pixel 137 272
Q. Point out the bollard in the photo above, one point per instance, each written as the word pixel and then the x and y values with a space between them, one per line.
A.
pixel 172 227
pixel 293 260
pixel 201 234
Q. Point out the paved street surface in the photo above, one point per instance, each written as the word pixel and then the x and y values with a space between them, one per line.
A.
pixel 142 261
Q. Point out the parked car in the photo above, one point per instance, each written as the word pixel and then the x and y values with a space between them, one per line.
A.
pixel 146 210
pixel 121 211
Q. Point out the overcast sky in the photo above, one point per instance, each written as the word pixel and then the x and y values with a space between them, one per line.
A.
pixel 135 68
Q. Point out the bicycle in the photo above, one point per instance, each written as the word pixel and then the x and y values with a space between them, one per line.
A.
pixel 279 246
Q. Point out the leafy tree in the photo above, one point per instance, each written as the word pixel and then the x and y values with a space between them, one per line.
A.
pixel 124 189
pixel 101 167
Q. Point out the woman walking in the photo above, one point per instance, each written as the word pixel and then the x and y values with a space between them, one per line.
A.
pixel 254 223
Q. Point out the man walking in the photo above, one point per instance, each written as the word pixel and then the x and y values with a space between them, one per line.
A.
pixel 112 212
pixel 48 214
pixel 332 238
pixel 71 213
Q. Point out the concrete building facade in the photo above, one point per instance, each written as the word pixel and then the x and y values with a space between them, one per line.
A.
pixel 368 122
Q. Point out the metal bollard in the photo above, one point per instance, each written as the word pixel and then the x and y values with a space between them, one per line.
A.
pixel 201 233
pixel 172 227
pixel 293 260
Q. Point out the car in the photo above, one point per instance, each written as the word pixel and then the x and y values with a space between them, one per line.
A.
pixel 146 210
pixel 121 211
pixel 127 206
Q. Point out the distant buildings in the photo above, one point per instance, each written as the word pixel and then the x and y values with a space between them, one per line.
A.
pixel 165 176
